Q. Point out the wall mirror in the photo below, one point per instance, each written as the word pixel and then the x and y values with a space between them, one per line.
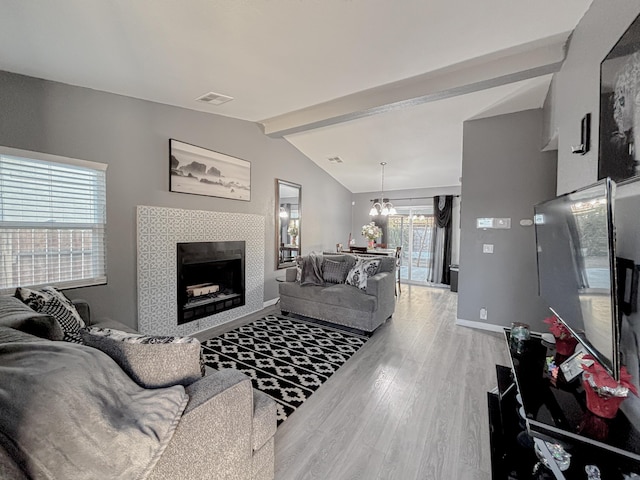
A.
pixel 288 219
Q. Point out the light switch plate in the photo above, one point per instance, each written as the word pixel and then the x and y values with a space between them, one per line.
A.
pixel 487 248
pixel 502 223
pixel 494 223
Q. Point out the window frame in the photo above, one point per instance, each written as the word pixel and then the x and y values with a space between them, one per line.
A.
pixel 97 228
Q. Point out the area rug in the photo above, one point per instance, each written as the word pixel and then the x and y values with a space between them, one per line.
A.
pixel 286 358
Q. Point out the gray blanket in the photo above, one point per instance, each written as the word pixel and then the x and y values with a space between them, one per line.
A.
pixel 311 273
pixel 69 412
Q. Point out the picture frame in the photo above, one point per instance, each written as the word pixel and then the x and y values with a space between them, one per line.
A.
pixel 619 152
pixel 199 171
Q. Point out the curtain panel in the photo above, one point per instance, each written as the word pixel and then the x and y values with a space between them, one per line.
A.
pixel 441 244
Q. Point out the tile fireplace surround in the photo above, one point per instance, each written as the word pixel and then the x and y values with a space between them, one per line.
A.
pixel 159 231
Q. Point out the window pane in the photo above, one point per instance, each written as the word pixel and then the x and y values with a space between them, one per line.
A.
pixel 421 248
pixel 412 229
pixel 52 222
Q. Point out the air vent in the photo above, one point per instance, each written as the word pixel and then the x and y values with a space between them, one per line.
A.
pixel 213 98
pixel 335 160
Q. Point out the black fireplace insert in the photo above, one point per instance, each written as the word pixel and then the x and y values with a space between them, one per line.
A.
pixel 211 278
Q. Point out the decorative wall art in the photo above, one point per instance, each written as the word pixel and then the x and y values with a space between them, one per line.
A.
pixel 200 171
pixel 619 155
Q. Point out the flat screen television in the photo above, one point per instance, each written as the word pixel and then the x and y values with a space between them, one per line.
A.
pixel 575 241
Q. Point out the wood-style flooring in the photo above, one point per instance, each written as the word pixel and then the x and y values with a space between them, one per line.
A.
pixel 410 404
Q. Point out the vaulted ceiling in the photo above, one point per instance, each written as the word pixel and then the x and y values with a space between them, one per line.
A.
pixel 363 80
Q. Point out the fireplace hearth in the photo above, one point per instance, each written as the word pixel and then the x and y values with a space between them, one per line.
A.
pixel 211 278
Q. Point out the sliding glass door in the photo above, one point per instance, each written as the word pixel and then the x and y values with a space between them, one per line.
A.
pixel 412 229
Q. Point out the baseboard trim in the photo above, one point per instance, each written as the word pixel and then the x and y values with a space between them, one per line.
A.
pixel 486 326
pixel 268 303
pixel 205 333
pixel 480 325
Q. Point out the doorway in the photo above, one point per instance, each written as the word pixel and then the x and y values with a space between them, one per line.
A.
pixel 412 229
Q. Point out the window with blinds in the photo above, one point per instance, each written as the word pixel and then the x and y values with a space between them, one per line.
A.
pixel 52 221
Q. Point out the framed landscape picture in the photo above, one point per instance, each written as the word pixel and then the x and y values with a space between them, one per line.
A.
pixel 199 171
pixel 619 155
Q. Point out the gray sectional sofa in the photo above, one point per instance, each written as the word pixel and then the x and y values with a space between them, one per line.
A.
pixel 221 429
pixel 341 304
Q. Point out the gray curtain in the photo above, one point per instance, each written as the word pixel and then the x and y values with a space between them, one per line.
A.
pixel 441 241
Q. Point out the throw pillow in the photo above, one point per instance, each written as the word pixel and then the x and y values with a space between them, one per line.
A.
pixel 334 271
pixel 53 302
pixel 151 361
pixel 361 271
pixel 15 314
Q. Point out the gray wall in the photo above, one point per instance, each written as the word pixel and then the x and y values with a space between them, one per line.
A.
pixel 504 174
pixel 132 137
pixel 577 87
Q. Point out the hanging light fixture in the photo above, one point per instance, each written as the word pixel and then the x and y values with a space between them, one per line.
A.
pixel 380 207
pixel 284 213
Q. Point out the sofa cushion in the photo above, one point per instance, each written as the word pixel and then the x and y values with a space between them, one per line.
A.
pixel 113 325
pixel 341 295
pixel 15 314
pixel 348 259
pixel 348 296
pixel 50 301
pixel 334 271
pixel 294 289
pixel 361 271
pixel 151 361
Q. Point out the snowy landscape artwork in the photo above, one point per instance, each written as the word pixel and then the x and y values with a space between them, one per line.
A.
pixel 200 171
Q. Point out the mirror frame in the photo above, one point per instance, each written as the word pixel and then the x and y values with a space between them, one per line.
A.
pixel 280 264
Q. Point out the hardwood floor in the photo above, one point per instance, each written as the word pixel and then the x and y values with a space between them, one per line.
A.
pixel 410 404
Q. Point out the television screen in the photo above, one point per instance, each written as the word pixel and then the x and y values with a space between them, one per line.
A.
pixel 576 267
pixel 627 206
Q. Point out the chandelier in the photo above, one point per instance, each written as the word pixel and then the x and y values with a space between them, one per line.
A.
pixel 380 206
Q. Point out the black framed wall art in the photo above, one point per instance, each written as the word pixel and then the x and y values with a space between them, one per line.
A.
pixel 619 153
pixel 200 171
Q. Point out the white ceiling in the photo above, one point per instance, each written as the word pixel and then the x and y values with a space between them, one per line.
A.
pixel 359 79
pixel 422 145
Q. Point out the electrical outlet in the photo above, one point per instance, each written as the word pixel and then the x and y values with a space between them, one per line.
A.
pixel 483 313
pixel 487 248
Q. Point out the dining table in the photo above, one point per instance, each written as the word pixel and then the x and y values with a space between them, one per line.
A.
pixel 389 252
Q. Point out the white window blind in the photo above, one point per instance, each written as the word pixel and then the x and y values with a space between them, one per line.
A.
pixel 52 221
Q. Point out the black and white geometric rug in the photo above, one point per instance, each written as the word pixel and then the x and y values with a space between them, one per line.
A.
pixel 286 358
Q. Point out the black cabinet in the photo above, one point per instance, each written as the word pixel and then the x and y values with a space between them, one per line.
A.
pixel 553 410
pixel 512 454
pixel 454 270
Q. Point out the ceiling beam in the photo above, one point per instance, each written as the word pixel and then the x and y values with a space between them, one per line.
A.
pixel 501 68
